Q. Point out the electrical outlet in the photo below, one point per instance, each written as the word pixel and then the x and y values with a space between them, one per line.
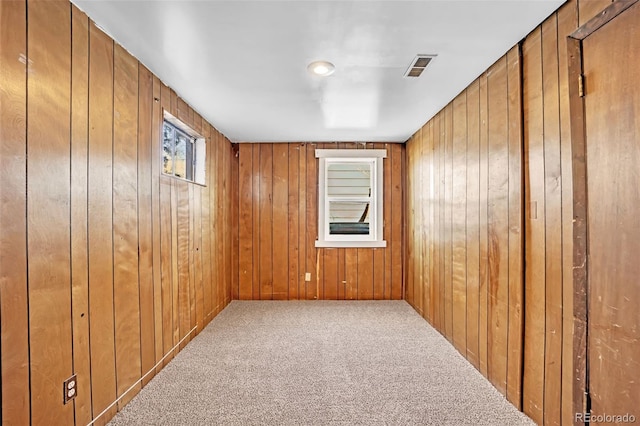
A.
pixel 307 276
pixel 70 388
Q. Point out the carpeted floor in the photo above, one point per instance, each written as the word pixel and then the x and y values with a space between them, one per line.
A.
pixel 319 363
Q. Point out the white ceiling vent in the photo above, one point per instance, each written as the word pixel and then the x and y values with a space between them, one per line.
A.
pixel 418 65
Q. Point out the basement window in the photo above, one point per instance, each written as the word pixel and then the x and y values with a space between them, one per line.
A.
pixel 350 198
pixel 183 151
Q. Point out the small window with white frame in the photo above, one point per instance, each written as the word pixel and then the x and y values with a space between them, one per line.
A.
pixel 183 151
pixel 350 197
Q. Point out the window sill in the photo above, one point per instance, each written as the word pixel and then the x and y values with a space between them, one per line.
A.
pixel 351 244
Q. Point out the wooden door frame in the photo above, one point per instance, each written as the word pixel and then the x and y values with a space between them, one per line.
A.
pixel 580 199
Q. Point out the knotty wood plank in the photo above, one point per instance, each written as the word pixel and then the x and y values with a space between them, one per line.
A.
pixel 535 294
pixel 567 22
pixel 498 224
pixel 126 291
pixel 265 172
pixel 429 152
pixel 280 221
pixel 459 231
pixel 245 228
pixel 410 249
pixel 145 221
pixel 553 223
pixel 473 222
pixel 293 221
pixel 516 190
pixel 79 186
pixel 484 244
pixel 397 208
pixel 100 225
pixel 215 226
pixel 14 338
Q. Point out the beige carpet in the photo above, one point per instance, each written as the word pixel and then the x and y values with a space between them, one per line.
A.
pixel 319 363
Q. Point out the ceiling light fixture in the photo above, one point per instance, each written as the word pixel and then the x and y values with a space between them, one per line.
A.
pixel 321 68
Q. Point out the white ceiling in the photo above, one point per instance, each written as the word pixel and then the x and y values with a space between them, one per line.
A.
pixel 242 64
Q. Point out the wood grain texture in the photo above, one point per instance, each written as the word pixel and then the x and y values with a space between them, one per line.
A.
pixel 48 190
pixel 126 289
pixel 535 277
pixel 277 186
pixel 553 223
pixel 14 296
pixel 613 161
pixel 516 234
pixel 79 186
pixel 100 224
pixel 497 224
pixel 145 223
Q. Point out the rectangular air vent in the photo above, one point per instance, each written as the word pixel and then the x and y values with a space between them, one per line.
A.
pixel 418 65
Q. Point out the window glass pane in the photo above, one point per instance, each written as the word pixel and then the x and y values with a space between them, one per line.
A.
pixel 167 149
pixel 180 167
pixel 189 159
pixel 349 179
pixel 349 217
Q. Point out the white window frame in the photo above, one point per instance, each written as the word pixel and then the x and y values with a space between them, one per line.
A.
pixel 199 150
pixel 374 157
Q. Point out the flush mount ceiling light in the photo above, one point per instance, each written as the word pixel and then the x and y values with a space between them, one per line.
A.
pixel 321 68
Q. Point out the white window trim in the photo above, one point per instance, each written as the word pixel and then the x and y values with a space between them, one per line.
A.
pixel 199 150
pixel 375 158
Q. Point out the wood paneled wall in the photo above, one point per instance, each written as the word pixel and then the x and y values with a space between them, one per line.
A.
pixel 489 190
pixel 464 183
pixel 277 217
pixel 105 264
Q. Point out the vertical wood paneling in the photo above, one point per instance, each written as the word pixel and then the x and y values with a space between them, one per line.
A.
pixel 293 221
pixel 280 244
pixel 535 294
pixel 102 295
pixel 79 186
pixel 245 228
pixel 497 225
pixel 516 288
pixel 14 296
pixel 125 222
pixel 158 301
pixel 567 22
pixel 145 222
pixel 100 224
pixel 484 248
pixel 473 224
pixel 48 190
pixel 553 223
pixel 265 225
pixel 459 228
pixel 277 185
